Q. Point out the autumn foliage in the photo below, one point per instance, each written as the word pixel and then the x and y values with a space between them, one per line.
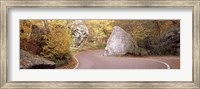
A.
pixel 52 39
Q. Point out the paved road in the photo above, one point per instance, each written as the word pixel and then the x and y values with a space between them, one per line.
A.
pixel 94 59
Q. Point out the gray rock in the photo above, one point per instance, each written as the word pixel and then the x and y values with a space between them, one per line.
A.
pixel 120 43
pixel 79 32
pixel 29 61
pixel 37 32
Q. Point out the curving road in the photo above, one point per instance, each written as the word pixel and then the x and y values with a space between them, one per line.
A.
pixel 94 59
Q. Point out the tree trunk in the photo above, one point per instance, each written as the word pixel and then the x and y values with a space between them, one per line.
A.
pixel 46 26
pixel 158 29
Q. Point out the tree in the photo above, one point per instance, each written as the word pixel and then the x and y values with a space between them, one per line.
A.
pixel 46 25
pixel 100 29
pixel 58 42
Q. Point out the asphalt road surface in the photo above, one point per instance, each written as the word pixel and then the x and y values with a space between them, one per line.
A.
pixel 94 59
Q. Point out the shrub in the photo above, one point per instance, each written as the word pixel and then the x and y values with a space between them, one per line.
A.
pixel 57 46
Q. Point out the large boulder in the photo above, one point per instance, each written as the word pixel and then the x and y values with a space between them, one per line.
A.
pixel 30 61
pixel 120 43
pixel 79 32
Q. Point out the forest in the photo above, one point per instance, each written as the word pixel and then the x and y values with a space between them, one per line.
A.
pixel 57 41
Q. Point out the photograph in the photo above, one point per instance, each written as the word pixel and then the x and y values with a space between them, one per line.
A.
pixel 99 44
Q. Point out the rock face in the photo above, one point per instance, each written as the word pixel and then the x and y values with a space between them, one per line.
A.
pixel 120 43
pixel 79 32
pixel 37 41
pixel 171 41
pixel 29 61
pixel 37 32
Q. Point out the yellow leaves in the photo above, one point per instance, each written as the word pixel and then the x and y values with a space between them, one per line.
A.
pixel 139 34
pixel 58 23
pixel 100 27
pixel 37 22
pixel 57 42
pixel 109 27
